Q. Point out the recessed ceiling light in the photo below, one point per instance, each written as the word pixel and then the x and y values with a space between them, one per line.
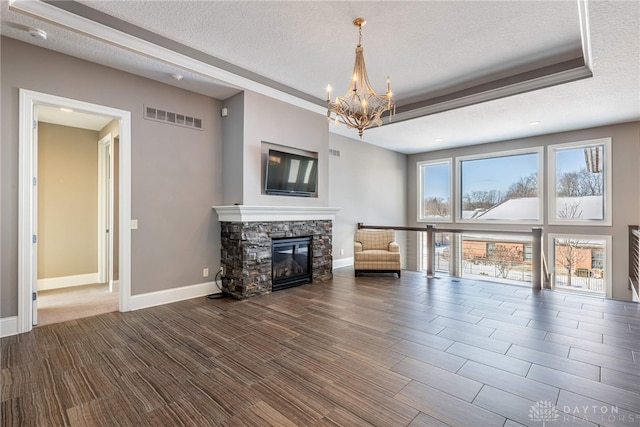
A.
pixel 439 139
pixel 177 77
pixel 37 33
pixel 535 123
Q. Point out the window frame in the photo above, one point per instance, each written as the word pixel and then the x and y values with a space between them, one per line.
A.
pixel 607 176
pixel 420 202
pixel 539 150
pixel 600 258
pixel 607 258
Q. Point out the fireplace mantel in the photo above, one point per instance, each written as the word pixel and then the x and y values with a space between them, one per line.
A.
pixel 248 213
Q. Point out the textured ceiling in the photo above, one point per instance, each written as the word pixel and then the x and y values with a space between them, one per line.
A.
pixel 428 48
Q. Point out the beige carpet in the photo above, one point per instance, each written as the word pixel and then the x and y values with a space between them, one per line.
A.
pixel 61 305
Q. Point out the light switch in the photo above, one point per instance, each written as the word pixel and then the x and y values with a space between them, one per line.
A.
pixel 134 224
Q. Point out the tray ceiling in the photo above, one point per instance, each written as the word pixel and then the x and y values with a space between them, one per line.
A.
pixel 443 57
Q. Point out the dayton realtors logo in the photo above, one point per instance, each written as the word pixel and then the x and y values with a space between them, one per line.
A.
pixel 544 411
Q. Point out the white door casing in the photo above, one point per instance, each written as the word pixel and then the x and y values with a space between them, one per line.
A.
pixel 27 198
pixel 105 210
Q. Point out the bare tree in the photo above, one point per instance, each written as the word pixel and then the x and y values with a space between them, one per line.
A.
pixel 580 183
pixel 570 211
pixel 481 199
pixel 505 257
pixel 591 183
pixel 526 186
pixel 569 254
pixel 568 185
pixel 436 206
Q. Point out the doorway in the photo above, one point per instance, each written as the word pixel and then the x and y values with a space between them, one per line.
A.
pixel 75 201
pixel 30 102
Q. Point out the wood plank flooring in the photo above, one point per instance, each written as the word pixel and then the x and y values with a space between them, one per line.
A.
pixel 372 350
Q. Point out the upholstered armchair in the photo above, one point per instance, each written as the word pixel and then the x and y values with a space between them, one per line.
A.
pixel 376 251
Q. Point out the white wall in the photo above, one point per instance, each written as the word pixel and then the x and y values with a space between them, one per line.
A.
pixel 368 183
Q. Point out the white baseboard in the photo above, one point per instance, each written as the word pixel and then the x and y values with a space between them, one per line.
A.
pixel 68 281
pixel 343 262
pixel 167 296
pixel 8 326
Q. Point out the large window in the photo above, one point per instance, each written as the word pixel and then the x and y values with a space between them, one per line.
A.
pixel 580 183
pixel 501 188
pixel 434 191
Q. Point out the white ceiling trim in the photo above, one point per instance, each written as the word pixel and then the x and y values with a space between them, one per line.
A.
pixel 583 16
pixel 114 37
pixel 525 82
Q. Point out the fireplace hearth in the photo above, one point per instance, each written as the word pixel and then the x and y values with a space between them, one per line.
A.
pixel 291 262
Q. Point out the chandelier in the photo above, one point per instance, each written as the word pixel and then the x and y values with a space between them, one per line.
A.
pixel 361 107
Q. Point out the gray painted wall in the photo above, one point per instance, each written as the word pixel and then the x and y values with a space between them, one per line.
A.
pixel 368 183
pixel 176 172
pixel 626 198
pixel 276 122
pixel 232 150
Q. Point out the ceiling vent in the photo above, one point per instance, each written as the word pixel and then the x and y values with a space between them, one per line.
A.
pixel 334 153
pixel 177 119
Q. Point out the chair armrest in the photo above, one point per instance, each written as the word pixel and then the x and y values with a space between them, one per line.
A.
pixel 394 247
pixel 357 247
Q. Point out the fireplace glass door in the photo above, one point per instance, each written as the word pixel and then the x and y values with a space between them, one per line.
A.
pixel 290 262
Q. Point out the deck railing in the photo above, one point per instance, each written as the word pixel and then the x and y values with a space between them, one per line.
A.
pixel 538 276
pixel 634 260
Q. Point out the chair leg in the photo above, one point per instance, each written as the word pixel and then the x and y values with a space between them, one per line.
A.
pixel 398 273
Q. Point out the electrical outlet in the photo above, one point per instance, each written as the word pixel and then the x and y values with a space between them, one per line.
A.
pixel 134 224
pixel 205 272
pixel 341 251
pixel 222 270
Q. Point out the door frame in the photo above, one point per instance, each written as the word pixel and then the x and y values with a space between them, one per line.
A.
pixel 105 210
pixel 27 197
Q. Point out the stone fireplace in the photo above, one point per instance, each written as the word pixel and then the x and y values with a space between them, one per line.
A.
pixel 247 236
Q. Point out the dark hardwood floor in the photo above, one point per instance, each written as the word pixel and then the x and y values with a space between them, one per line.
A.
pixel 372 350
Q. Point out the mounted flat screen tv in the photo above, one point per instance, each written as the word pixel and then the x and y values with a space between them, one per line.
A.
pixel 291 174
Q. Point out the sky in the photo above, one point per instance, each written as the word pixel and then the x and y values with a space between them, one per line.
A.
pixel 497 173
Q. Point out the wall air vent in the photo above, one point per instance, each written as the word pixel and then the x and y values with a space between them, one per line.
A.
pixel 334 153
pixel 158 115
